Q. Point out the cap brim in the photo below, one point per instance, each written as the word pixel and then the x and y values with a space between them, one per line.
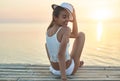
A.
pixel 71 16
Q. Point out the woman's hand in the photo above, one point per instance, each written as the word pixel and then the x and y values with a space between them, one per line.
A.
pixel 74 16
pixel 64 79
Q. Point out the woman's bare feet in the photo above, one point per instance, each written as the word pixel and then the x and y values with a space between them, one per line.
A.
pixel 81 63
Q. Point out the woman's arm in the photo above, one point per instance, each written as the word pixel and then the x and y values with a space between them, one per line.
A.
pixel 47 52
pixel 74 32
pixel 61 53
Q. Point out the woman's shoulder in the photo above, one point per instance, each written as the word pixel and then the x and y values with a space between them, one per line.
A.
pixel 66 29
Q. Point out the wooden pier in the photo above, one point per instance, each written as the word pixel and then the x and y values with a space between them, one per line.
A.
pixel 30 72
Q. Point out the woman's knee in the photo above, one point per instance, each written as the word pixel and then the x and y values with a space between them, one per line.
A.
pixel 81 35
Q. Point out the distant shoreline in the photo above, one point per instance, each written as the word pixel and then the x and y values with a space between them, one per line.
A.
pixel 23 22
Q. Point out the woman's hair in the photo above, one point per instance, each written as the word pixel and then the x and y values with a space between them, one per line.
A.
pixel 55 13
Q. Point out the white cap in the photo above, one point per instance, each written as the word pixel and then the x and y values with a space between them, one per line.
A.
pixel 67 6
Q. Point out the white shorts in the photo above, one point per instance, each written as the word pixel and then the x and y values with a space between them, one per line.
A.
pixel 69 70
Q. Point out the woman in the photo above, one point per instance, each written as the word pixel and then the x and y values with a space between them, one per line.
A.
pixel 57 42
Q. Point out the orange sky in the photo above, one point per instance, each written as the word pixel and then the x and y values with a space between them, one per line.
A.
pixel 40 10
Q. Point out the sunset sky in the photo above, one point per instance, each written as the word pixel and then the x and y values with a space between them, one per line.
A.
pixel 40 10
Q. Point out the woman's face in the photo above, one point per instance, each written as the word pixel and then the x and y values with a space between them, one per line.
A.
pixel 63 18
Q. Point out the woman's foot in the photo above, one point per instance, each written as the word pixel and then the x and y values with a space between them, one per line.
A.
pixel 81 63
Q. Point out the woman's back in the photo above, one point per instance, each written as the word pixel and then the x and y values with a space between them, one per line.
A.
pixel 53 44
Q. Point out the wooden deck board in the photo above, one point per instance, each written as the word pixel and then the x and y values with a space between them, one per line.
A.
pixel 30 72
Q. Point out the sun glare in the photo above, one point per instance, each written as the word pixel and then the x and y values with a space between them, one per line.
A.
pixel 99 31
pixel 101 14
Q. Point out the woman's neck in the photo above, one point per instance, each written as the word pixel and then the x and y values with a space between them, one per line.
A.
pixel 56 25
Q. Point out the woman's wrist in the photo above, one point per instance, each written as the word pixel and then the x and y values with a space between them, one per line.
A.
pixel 74 19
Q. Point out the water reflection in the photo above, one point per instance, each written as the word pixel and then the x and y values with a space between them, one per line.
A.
pixel 99 31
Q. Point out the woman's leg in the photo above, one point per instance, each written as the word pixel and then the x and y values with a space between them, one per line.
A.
pixel 77 50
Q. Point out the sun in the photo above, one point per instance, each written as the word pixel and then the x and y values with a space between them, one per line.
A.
pixel 101 14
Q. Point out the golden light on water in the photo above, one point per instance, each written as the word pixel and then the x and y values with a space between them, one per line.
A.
pixel 99 31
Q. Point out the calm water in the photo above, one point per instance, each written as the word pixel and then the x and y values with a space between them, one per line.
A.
pixel 24 43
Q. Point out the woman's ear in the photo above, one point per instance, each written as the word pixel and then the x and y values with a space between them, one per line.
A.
pixel 55 18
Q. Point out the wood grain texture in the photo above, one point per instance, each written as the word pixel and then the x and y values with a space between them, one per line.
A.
pixel 31 72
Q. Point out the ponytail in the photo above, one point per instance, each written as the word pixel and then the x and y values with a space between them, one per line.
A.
pixel 51 24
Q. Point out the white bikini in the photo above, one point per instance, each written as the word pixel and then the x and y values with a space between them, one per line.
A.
pixel 53 47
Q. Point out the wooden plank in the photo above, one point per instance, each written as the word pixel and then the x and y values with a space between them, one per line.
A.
pixel 50 79
pixel 28 66
pixel 8 79
pixel 46 71
pixel 79 79
pixel 47 68
pixel 34 75
pixel 36 65
pixel 40 72
pixel 114 76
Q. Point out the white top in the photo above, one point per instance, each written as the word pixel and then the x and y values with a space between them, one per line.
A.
pixel 53 47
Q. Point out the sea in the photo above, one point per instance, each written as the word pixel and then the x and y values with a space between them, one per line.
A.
pixel 24 43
